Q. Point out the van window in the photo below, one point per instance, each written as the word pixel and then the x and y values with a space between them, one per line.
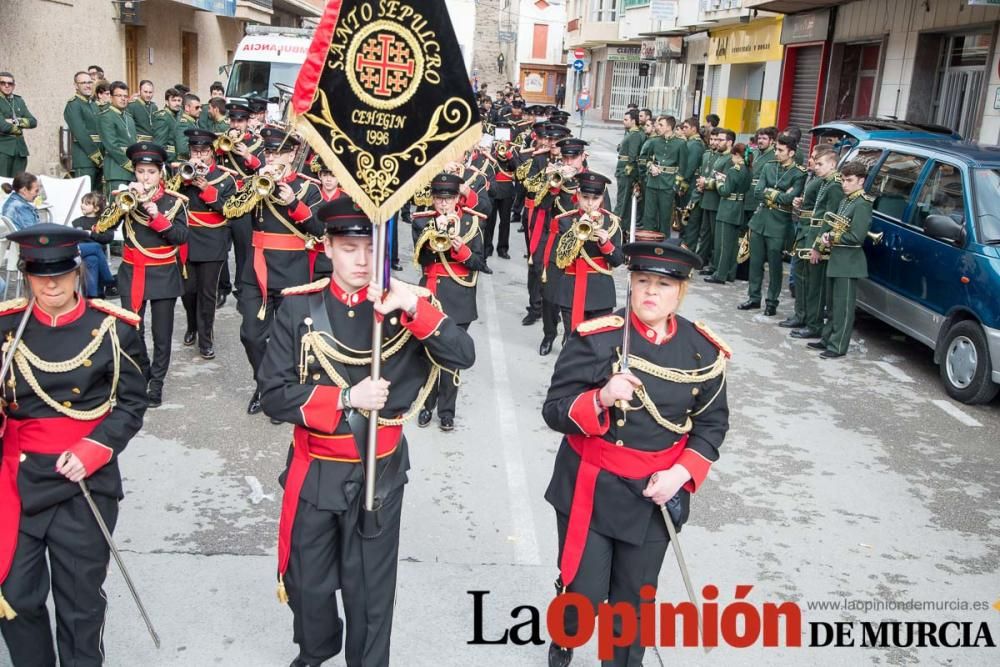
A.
pixel 251 77
pixel 987 202
pixel 894 183
pixel 868 156
pixel 942 194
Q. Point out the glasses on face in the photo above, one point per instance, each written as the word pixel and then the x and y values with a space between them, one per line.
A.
pixel 121 96
pixel 88 82
pixel 7 82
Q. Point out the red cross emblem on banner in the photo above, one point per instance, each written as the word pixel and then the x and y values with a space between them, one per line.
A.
pixel 385 66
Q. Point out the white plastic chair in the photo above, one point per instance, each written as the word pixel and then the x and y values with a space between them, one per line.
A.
pixel 64 195
pixel 8 260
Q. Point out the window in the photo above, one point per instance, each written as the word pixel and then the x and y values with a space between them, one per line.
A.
pixel 942 194
pixel 987 202
pixel 894 184
pixel 867 156
pixel 540 41
pixel 603 10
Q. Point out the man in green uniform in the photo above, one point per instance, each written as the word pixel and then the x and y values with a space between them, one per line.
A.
pixel 648 127
pixel 664 157
pixel 165 124
pixel 802 210
pixel 732 186
pixel 844 241
pixel 780 183
pixel 205 120
pixel 627 169
pixel 187 121
pixel 710 197
pixel 14 120
pixel 812 280
pixel 762 156
pixel 217 121
pixel 143 108
pixel 694 149
pixel 80 115
pixel 117 134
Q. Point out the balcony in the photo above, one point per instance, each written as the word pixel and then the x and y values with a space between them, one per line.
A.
pixel 257 11
pixel 589 34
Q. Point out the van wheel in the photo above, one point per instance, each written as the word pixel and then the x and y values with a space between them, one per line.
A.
pixel 965 364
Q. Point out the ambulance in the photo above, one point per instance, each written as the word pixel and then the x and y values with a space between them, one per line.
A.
pixel 266 56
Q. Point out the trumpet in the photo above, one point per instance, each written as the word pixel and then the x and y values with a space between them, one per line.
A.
pixel 263 185
pixel 444 227
pixel 505 151
pixel 132 200
pixel 556 177
pixel 225 143
pixel 191 170
pixel 585 226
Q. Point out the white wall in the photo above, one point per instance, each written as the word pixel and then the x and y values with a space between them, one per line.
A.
pixel 555 17
pixel 463 19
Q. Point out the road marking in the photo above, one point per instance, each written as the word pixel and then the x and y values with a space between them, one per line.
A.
pixel 522 519
pixel 956 412
pixel 893 371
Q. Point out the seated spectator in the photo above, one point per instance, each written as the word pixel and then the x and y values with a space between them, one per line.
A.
pixel 100 282
pixel 19 207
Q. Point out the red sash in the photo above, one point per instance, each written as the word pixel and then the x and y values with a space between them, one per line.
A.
pixel 579 270
pixel 597 454
pixel 51 435
pixel 436 271
pixel 268 241
pixel 309 445
pixel 549 242
pixel 206 219
pixel 139 262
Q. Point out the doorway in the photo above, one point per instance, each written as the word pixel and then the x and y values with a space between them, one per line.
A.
pixel 189 59
pixel 961 80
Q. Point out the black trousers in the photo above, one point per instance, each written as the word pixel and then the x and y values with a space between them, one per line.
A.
pixel 78 562
pixel 518 207
pixel 201 289
pixel 444 394
pixel 550 320
pixel 254 330
pixel 162 313
pixel 501 209
pixel 567 318
pixel 240 231
pixel 614 571
pixel 327 554
pixel 534 290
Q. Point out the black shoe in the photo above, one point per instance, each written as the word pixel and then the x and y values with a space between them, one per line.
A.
pixel 155 396
pixel 189 337
pixel 220 299
pixel 749 305
pixel 545 347
pixel 206 353
pixel 397 266
pixel 276 422
pixel 486 269
pixel 830 354
pixel 503 254
pixel 447 423
pixel 770 311
pixel 520 230
pixel 791 323
pixel 714 280
pixel 707 271
pixel 805 333
pixel 424 418
pixel 817 345
pixel 253 407
pixel 530 319
pixel 559 656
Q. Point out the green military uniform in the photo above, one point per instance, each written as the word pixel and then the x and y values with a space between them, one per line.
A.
pixel 117 134
pixel 760 160
pixel 142 114
pixel 804 219
pixel 847 263
pixel 668 155
pixel 220 126
pixel 14 120
pixel 185 122
pixel 729 219
pixel 694 149
pixel 776 189
pixel 811 282
pixel 165 132
pixel 627 172
pixel 80 115
pixel 710 206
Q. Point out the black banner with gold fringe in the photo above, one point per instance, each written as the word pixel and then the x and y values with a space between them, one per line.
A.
pixel 384 99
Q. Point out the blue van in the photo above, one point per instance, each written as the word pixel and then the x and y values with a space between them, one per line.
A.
pixel 934 264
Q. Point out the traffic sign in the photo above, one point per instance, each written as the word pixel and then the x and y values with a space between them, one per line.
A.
pixel 579 54
pixel 578 65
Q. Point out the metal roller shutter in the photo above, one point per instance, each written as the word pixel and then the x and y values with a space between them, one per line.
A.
pixel 808 60
pixel 714 84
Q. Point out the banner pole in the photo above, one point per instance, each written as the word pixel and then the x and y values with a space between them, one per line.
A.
pixel 380 232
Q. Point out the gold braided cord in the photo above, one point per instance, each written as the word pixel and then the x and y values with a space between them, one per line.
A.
pixel 316 339
pixel 443 258
pixel 308 238
pixel 70 364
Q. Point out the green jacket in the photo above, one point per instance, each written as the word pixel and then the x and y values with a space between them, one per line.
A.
pixel 847 253
pixel 731 192
pixel 219 127
pixel 720 163
pixel 184 122
pixel 774 215
pixel 14 119
pixel 165 132
pixel 694 149
pixel 117 134
pixel 669 155
pixel 80 115
pixel 760 160
pixel 828 198
pixel 628 154
pixel 809 192
pixel 142 114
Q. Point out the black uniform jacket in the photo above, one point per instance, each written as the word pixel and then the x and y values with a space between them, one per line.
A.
pixel 620 511
pixel 457 300
pixel 84 384
pixel 600 294
pixel 244 166
pixel 307 396
pixel 208 235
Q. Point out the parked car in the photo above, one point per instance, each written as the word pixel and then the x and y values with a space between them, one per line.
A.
pixel 935 273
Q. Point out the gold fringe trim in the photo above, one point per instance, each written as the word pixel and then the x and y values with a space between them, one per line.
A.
pixel 282 593
pixel 6 611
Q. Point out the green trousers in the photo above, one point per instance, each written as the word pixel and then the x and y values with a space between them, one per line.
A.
pixel 12 165
pixel 658 212
pixel 691 231
pixel 706 238
pixel 799 278
pixel 841 297
pixel 623 200
pixel 95 176
pixel 814 289
pixel 766 249
pixel 727 246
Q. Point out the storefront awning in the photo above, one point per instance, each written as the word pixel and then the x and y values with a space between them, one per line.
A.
pixel 791 6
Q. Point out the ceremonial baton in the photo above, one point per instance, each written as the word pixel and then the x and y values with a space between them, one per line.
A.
pixel 380 232
pixel 9 357
pixel 682 566
pixel 628 291
pixel 118 559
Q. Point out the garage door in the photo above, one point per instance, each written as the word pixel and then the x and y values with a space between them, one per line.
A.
pixel 802 110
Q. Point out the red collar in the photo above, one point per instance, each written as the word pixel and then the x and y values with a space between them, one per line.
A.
pixel 291 177
pixel 649 333
pixel 336 193
pixel 60 320
pixel 348 298
pixel 160 189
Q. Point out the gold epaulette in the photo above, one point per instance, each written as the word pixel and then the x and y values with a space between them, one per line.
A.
pixel 714 339
pixel 737 167
pixel 600 324
pixel 309 288
pixel 801 168
pixel 13 305
pixel 868 197
pixel 473 212
pixel 123 314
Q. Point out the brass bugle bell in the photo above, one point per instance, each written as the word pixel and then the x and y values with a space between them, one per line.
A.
pixel 443 228
pixel 225 143
pixel 191 170
pixel 504 151
pixel 583 228
pixel 128 200
pixel 556 180
pixel 263 185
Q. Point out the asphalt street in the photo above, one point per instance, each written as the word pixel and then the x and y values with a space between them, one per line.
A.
pixel 850 479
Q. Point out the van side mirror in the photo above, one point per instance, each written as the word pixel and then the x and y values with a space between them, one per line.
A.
pixel 945 228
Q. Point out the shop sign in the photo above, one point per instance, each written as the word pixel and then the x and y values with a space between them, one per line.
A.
pixel 632 54
pixel 801 28
pixel 756 42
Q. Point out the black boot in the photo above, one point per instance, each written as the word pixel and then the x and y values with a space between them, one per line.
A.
pixel 253 407
pixel 545 347
pixel 424 418
pixel 559 656
pixel 155 394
